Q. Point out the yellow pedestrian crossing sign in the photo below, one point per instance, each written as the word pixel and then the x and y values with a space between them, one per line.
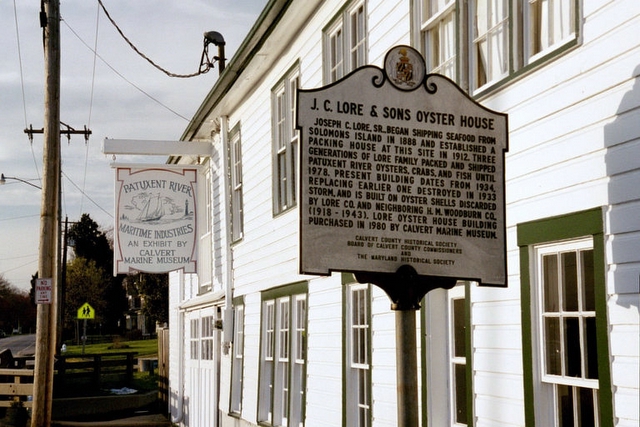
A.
pixel 86 312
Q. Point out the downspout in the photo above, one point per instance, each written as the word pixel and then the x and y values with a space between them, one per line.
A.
pixel 177 418
pixel 227 315
pixel 228 268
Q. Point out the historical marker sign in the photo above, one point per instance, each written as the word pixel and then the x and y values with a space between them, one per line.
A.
pixel 155 219
pixel 401 168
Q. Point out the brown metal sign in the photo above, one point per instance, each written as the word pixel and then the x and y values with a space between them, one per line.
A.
pixel 401 168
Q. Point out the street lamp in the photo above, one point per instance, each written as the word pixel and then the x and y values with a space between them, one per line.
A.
pixel 3 180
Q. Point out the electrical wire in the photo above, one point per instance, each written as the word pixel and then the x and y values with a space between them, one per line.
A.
pixel 122 76
pixel 93 84
pixel 207 65
pixel 24 101
pixel 87 196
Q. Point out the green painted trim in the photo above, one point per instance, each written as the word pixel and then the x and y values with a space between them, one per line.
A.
pixel 285 290
pixel 570 226
pixel 527 345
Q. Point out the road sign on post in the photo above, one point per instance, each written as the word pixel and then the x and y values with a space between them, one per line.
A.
pixel 43 291
pixel 86 312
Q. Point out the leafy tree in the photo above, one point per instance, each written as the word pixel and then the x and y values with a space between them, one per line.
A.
pixel 153 290
pixel 85 283
pixel 16 309
pixel 92 245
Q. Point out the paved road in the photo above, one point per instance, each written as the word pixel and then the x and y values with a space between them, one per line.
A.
pixel 20 345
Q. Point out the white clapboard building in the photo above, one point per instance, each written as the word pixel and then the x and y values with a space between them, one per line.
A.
pixel 254 342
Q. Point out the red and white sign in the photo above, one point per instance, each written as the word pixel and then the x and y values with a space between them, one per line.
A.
pixel 43 291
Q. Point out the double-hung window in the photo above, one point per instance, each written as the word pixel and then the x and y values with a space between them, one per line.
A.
pixel 567 331
pixel 549 24
pixel 357 393
pixel 283 357
pixel 237 360
pixel 479 43
pixel 447 357
pixel 565 348
pixel 206 338
pixel 285 141
pixel 345 42
pixel 438 35
pixel 490 41
pixel 235 166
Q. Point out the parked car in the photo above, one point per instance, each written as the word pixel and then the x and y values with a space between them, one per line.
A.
pixel 2 333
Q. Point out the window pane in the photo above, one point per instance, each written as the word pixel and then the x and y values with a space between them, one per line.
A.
pixel 550 277
pixel 570 281
pixel 586 411
pixel 565 405
pixel 461 393
pixel 591 348
pixel 458 328
pixel 552 345
pixel 586 258
pixel 573 359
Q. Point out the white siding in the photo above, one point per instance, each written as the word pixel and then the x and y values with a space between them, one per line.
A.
pixel 574 144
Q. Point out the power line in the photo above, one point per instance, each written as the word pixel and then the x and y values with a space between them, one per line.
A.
pixel 122 76
pixel 205 65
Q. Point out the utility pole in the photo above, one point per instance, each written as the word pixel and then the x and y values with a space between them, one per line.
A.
pixel 49 221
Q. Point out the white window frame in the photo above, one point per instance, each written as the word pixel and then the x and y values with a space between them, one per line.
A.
pixel 490 42
pixel 285 142
pixel 550 384
pixel 235 174
pixel 194 339
pixel 439 356
pixel 358 405
pixel 281 383
pixel 457 293
pixel 205 261
pixel 345 42
pixel 438 35
pixel 206 337
pixel 237 362
pixel 524 32
pixel 552 32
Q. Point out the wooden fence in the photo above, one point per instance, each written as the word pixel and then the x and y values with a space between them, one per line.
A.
pixel 16 383
pixel 94 368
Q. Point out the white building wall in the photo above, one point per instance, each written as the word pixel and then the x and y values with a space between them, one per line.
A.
pixel 574 141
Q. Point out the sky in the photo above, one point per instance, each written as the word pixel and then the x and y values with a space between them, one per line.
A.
pixel 105 86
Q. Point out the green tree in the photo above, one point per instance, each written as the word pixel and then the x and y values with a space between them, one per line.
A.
pixel 16 310
pixel 92 245
pixel 153 290
pixel 85 283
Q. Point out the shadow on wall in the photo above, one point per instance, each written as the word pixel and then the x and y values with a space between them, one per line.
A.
pixel 622 141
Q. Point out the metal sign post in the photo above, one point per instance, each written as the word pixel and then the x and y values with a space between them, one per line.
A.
pixel 406 289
